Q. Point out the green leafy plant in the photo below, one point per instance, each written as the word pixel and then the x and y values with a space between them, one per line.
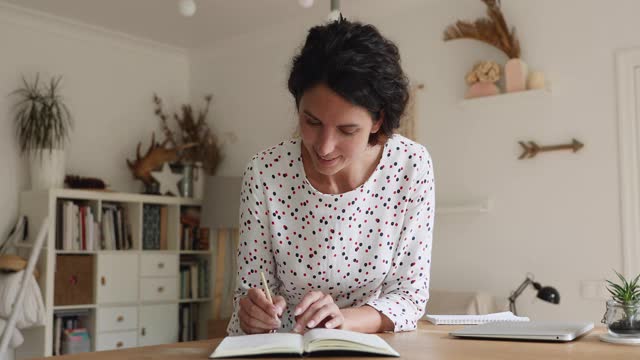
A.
pixel 622 311
pixel 625 292
pixel 42 119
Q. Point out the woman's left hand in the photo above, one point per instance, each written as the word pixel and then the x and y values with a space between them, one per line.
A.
pixel 317 309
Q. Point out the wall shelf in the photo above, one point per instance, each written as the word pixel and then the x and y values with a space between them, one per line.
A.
pixel 75 307
pixel 504 98
pixel 182 301
pixel 483 206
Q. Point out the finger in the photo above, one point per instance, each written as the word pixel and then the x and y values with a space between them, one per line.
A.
pixel 336 322
pixel 247 327
pixel 310 298
pixel 326 312
pixel 258 298
pixel 257 324
pixel 254 311
pixel 304 318
pixel 280 303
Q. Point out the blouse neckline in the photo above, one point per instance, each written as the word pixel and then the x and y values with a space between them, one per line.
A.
pixel 298 145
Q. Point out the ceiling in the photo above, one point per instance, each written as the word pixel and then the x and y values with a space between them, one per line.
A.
pixel 214 20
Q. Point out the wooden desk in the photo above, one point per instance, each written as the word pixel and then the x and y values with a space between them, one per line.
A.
pixel 428 342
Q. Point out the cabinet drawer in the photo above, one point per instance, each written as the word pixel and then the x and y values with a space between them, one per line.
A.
pixel 113 341
pixel 158 265
pixel 154 289
pixel 117 318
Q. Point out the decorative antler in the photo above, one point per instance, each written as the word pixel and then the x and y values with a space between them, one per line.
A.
pixel 492 30
pixel 155 157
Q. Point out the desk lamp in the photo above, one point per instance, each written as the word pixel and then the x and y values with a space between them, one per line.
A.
pixel 546 293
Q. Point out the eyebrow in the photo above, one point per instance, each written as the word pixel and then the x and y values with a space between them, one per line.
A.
pixel 340 126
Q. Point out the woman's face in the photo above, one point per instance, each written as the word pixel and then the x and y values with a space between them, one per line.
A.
pixel 334 132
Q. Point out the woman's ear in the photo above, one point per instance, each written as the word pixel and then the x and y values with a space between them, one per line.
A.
pixel 378 123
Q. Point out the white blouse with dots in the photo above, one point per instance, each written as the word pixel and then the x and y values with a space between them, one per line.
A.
pixel 371 245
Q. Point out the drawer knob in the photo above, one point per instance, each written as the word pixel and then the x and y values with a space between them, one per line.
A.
pixel 143 331
pixel 120 318
pixel 160 265
pixel 103 281
pixel 119 344
pixel 160 289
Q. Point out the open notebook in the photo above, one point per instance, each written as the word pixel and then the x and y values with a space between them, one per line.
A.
pixel 474 319
pixel 316 340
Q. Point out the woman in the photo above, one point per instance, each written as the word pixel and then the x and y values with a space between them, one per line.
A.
pixel 339 221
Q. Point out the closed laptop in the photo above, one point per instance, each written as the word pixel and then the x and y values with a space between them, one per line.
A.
pixel 532 330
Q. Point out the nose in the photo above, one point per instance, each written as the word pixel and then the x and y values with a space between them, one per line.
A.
pixel 326 143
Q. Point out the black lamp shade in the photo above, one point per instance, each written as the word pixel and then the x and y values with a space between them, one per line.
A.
pixel 549 294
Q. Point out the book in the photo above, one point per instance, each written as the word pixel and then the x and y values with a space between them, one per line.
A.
pixel 164 216
pixel 474 319
pixel 313 341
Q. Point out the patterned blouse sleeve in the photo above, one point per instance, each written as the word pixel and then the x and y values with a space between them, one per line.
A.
pixel 405 290
pixel 254 248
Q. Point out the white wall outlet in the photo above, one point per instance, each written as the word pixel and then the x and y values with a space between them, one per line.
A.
pixel 594 290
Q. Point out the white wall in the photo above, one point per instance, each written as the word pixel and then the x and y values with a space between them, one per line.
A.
pixel 556 215
pixel 108 82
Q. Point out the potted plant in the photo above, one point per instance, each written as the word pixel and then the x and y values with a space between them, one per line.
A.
pixel 43 122
pixel 203 152
pixel 623 310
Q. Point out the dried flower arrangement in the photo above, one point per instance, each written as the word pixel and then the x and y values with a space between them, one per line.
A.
pixel 193 130
pixel 492 30
pixel 483 71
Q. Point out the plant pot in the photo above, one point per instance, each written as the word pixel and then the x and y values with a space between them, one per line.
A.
pixel 47 168
pixel 622 320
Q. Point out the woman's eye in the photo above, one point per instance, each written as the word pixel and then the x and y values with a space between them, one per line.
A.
pixel 313 122
pixel 349 132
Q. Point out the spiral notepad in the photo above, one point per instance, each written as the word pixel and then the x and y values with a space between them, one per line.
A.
pixel 474 319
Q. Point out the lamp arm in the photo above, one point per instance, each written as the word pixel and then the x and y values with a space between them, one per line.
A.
pixel 516 293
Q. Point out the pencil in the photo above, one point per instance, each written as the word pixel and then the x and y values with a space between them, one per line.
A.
pixel 266 288
pixel 267 292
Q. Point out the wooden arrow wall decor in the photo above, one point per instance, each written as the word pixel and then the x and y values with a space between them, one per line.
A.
pixel 531 149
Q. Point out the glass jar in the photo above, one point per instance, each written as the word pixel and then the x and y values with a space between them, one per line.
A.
pixel 186 184
pixel 622 320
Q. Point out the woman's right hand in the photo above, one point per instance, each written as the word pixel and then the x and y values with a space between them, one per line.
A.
pixel 257 315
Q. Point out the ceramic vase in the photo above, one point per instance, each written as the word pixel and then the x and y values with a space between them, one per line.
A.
pixel 515 75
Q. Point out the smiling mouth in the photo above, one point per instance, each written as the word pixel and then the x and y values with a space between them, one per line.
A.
pixel 323 159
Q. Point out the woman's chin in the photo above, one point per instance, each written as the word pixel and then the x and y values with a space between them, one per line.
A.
pixel 328 167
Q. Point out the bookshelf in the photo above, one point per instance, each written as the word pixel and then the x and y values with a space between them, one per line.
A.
pixel 128 261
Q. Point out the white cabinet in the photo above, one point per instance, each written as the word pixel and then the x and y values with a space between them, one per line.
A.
pixel 135 284
pixel 117 278
pixel 158 324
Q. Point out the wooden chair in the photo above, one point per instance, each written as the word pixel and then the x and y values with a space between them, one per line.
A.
pixel 10 325
pixel 224 280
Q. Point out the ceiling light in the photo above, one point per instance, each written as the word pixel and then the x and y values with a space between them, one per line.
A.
pixel 187 7
pixel 305 3
pixel 335 13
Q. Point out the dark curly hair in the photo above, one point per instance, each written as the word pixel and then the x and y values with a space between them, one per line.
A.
pixel 359 64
